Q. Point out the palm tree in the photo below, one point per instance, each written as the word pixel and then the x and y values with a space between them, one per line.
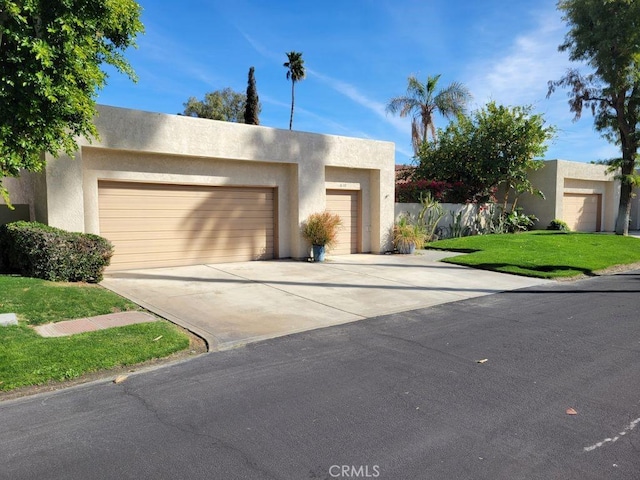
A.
pixel 295 72
pixel 422 101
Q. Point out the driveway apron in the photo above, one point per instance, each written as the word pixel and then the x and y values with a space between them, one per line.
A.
pixel 233 304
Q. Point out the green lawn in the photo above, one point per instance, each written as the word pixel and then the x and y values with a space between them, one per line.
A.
pixel 543 254
pixel 38 301
pixel 26 358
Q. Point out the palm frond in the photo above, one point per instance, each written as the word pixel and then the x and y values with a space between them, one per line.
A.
pixel 422 100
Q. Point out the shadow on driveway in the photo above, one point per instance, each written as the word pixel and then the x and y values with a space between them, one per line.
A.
pixel 236 303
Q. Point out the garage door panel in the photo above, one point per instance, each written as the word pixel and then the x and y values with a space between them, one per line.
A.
pixel 155 225
pixel 135 236
pixel 156 260
pixel 169 249
pixel 157 216
pixel 119 189
pixel 179 203
pixel 194 224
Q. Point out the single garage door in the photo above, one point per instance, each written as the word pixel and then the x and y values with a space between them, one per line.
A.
pixel 582 212
pixel 160 225
pixel 345 203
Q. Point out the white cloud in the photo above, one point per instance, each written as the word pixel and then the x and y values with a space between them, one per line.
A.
pixel 158 48
pixel 260 48
pixel 352 93
pixel 519 74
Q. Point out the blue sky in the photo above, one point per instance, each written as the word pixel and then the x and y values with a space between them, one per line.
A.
pixel 358 54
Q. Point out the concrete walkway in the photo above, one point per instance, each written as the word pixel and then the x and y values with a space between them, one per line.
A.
pixel 90 324
pixel 237 303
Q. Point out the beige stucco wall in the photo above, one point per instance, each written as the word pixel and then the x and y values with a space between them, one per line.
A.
pixel 28 195
pixel 141 146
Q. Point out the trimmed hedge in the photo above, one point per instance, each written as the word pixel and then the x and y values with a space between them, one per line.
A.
pixel 36 250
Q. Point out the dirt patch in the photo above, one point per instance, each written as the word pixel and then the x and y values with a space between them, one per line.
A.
pixel 197 346
pixel 600 273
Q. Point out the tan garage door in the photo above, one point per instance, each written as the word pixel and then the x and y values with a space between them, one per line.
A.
pixel 582 212
pixel 345 203
pixel 158 225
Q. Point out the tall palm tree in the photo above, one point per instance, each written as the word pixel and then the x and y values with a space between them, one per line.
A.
pixel 295 72
pixel 422 101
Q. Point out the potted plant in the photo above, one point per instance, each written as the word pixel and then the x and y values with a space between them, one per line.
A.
pixel 408 236
pixel 321 230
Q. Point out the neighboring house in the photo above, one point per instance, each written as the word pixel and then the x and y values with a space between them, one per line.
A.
pixel 171 190
pixel 403 172
pixel 583 195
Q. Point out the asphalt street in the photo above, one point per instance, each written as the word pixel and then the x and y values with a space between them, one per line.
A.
pixel 395 397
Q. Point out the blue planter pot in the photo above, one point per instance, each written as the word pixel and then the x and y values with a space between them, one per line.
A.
pixel 407 248
pixel 318 253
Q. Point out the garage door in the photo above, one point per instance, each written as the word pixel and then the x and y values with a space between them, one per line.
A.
pixel 345 203
pixel 158 225
pixel 582 212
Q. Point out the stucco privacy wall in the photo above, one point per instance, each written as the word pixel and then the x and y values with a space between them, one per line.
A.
pixel 559 177
pixel 152 147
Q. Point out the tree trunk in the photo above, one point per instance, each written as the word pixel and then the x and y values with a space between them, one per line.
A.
pixel 293 84
pixel 624 209
pixel 629 151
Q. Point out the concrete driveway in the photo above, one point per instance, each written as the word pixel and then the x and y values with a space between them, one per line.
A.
pixel 237 303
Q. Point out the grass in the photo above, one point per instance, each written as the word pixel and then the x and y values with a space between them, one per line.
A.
pixel 28 359
pixel 543 254
pixel 38 301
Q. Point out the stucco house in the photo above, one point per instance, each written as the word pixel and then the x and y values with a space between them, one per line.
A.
pixel 170 190
pixel 583 195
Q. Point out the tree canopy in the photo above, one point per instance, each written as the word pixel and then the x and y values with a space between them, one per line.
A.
pixel 605 35
pixel 422 102
pixel 295 73
pixel 226 105
pixel 51 53
pixel 494 147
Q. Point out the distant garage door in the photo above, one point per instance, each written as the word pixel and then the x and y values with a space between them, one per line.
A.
pixel 158 225
pixel 345 204
pixel 583 212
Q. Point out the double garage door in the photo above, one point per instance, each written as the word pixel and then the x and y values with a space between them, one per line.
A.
pixel 160 225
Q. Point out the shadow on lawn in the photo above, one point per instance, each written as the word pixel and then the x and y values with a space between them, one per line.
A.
pixel 549 269
pixel 454 250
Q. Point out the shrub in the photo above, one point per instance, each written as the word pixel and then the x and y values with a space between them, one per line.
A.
pixel 36 250
pixel 321 228
pixel 413 190
pixel 407 235
pixel 516 221
pixel 457 192
pixel 559 225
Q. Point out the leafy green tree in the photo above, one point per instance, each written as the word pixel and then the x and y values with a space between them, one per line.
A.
pixel 605 35
pixel 422 102
pixel 226 105
pixel 295 73
pixel 493 148
pixel 252 107
pixel 51 53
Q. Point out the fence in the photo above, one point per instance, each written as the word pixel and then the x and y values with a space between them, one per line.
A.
pixel 458 220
